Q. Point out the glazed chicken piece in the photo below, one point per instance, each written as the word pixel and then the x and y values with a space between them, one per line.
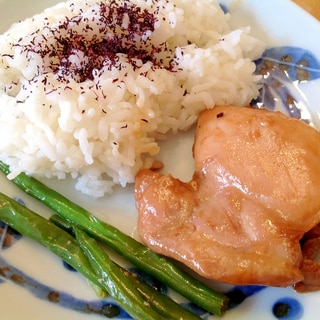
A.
pixel 254 194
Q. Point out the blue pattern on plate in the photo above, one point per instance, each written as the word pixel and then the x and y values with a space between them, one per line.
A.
pixel 8 236
pixel 158 285
pixel 105 307
pixel 68 267
pixel 282 69
pixel 239 293
pixel 224 8
pixel 288 308
pixel 297 64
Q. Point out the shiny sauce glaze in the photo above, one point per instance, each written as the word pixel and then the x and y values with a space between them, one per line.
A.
pixel 252 198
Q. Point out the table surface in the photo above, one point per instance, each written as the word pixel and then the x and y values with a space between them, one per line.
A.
pixel 311 6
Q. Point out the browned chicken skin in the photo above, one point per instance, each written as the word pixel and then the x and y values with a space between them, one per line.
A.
pixel 253 196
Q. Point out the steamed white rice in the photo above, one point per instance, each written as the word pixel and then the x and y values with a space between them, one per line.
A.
pixel 98 120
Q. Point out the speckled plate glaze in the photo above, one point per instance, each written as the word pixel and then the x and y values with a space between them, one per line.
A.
pixel 34 284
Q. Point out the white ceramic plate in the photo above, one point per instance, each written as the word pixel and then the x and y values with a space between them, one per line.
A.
pixel 278 23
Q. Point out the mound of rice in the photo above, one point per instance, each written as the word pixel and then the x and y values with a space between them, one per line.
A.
pixel 87 87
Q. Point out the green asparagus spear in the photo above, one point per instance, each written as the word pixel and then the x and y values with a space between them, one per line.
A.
pixel 135 252
pixel 160 302
pixel 68 227
pixel 139 299
pixel 47 233
pixel 163 304
pixel 129 289
pixel 115 280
